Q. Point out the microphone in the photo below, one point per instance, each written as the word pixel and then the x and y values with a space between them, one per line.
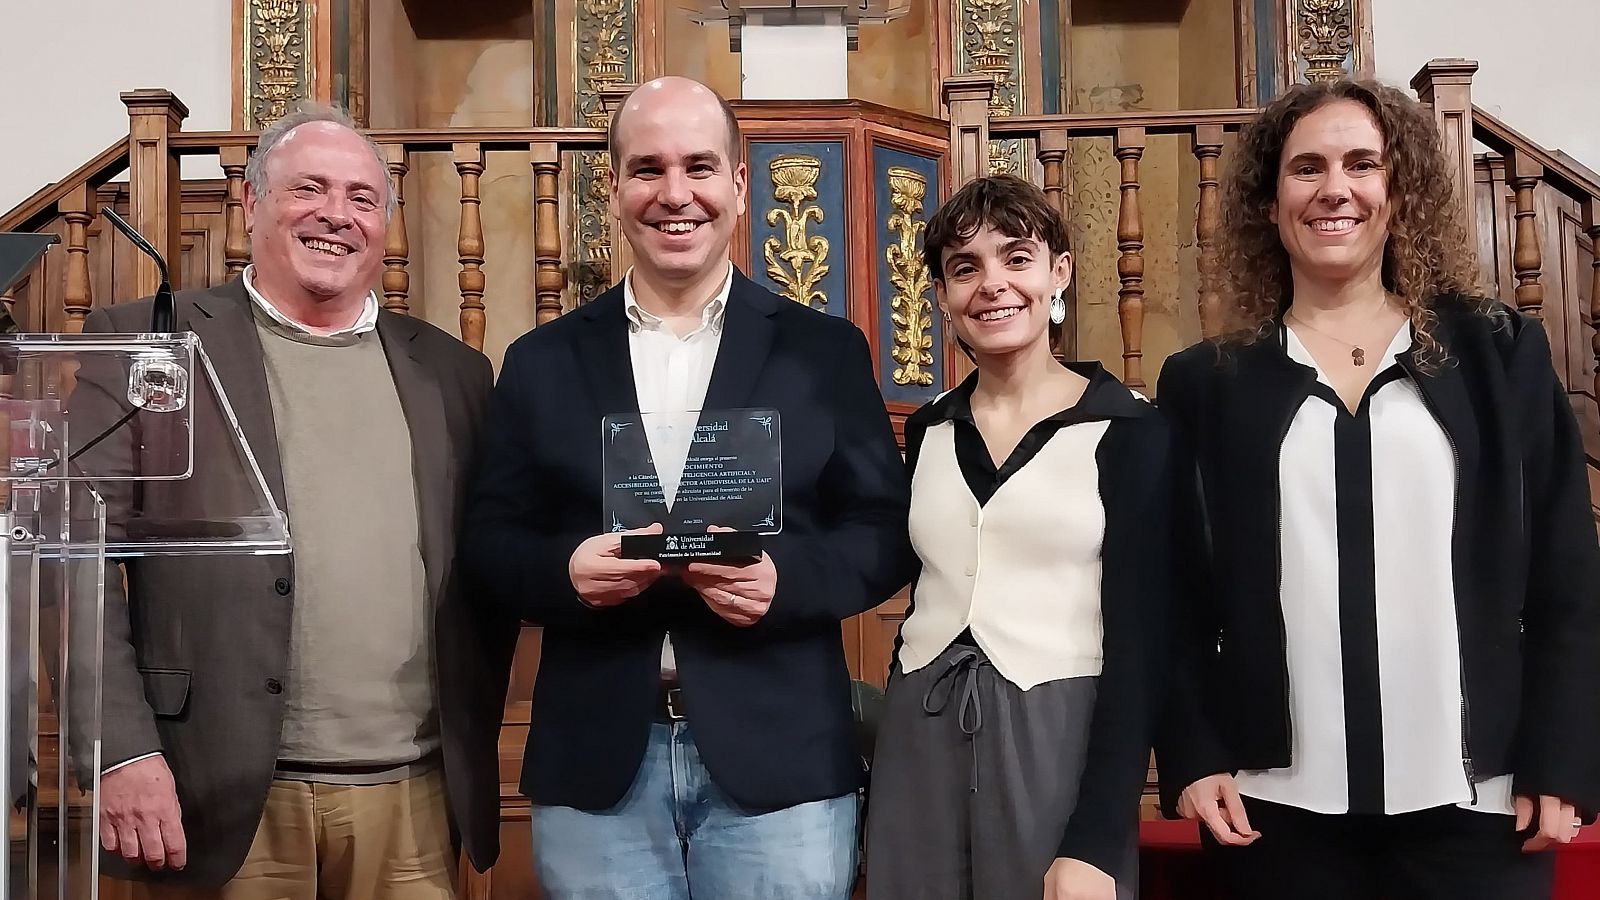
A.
pixel 163 312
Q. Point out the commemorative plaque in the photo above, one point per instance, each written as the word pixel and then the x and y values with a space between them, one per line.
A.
pixel 693 472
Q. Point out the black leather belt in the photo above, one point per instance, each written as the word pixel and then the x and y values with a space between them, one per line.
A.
pixel 669 703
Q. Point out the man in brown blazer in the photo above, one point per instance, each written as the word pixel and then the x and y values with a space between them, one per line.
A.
pixel 322 724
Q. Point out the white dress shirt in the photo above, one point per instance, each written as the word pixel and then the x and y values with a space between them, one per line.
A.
pixel 671 373
pixel 1409 566
pixel 364 323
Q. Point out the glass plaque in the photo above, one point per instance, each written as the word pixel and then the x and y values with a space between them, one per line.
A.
pixel 696 473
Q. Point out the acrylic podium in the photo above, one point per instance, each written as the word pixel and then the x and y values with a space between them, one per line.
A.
pixel 118 448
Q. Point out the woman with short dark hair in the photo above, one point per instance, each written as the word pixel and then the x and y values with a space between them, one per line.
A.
pixel 1015 740
pixel 1392 609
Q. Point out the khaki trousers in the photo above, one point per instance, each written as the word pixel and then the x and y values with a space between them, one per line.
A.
pixel 342 842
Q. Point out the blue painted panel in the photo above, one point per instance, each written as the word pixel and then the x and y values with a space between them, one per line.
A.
pixel 1267 43
pixel 883 160
pixel 1049 56
pixel 770 219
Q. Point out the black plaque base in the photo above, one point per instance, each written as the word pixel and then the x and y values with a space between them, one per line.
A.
pixel 708 547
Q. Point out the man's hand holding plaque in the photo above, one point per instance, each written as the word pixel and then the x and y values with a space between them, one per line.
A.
pixel 602 577
pixel 741 594
pixel 690 471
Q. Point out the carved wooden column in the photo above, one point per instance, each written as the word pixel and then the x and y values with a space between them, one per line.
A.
pixel 1208 215
pixel 1326 40
pixel 154 182
pixel 618 44
pixel 548 280
pixel 1128 146
pixel 469 243
pixel 997 40
pixel 75 299
pixel 621 253
pixel 1591 226
pixel 397 248
pixel 967 100
pixel 1527 258
pixel 1446 86
pixel 276 53
pixel 235 240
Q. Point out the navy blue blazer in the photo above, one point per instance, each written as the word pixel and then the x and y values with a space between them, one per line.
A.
pixel 770 704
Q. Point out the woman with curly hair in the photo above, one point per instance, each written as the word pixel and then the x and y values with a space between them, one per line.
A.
pixel 1391 635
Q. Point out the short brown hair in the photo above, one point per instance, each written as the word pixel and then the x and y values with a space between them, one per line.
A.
pixel 1007 204
pixel 735 133
pixel 1427 254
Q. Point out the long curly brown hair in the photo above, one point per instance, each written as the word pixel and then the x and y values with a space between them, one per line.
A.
pixel 1427 254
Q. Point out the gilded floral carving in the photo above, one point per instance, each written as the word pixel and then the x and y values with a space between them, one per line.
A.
pixel 604 51
pixel 797 261
pixel 990 45
pixel 1326 32
pixel 278 58
pixel 910 311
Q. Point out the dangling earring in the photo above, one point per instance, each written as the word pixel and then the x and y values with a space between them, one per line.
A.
pixel 946 316
pixel 1058 307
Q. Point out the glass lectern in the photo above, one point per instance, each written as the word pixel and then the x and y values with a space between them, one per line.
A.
pixel 116 447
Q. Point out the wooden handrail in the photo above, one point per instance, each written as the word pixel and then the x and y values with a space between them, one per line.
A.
pixel 45 203
pixel 199 143
pixel 1106 124
pixel 1505 140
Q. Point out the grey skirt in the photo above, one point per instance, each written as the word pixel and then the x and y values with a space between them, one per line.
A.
pixel 973 781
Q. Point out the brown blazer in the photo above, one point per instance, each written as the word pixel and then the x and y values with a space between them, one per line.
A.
pixel 195 651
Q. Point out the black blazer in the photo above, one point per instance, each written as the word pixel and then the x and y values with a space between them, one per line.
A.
pixel 770 704
pixel 1527 566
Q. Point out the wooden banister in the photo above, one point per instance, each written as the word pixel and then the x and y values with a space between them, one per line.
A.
pixel 45 204
pixel 1591 227
pixel 548 279
pixel 1527 256
pixel 397 246
pixel 203 143
pixel 1128 147
pixel 469 243
pixel 1503 139
pixel 1106 124
pixel 235 240
pixel 1208 216
pixel 78 211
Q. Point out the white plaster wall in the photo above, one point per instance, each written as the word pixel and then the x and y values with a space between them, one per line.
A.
pixel 1537 60
pixel 63 63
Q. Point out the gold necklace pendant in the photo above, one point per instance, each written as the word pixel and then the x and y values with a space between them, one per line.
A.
pixel 1358 356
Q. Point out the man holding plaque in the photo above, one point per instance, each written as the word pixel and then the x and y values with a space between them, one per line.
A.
pixel 690 483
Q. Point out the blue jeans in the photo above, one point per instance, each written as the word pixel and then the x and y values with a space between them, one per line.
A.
pixel 675 835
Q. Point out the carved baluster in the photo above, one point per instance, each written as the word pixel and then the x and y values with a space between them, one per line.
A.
pixel 1207 149
pixel 1591 225
pixel 235 242
pixel 548 278
pixel 1128 147
pixel 1527 258
pixel 469 244
pixel 75 299
pixel 397 249
pixel 1052 153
